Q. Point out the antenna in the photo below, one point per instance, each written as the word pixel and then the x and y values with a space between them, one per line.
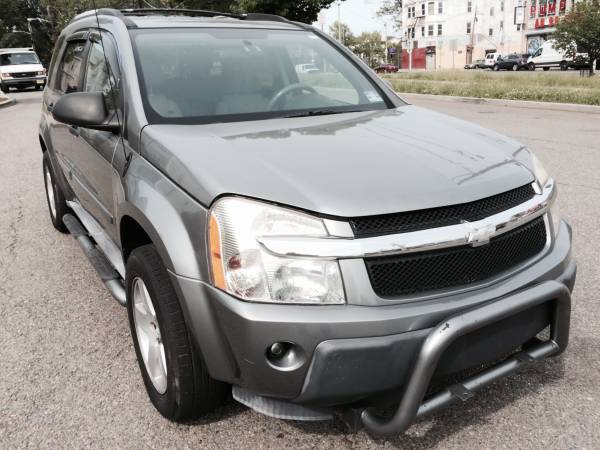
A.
pixel 112 93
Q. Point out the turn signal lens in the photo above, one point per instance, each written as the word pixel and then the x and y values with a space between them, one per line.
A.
pixel 216 259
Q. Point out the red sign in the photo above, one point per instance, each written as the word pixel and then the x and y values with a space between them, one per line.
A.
pixel 563 6
pixel 552 8
pixel 532 10
pixel 542 23
pixel 542 10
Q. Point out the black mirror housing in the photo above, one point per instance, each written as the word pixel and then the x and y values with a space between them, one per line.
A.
pixel 86 110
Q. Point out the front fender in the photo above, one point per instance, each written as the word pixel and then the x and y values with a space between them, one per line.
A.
pixel 173 220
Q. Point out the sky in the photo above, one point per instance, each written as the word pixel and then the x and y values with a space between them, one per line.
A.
pixel 359 15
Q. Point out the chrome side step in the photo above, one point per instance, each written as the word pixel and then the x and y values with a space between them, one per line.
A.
pixel 104 242
pixel 106 272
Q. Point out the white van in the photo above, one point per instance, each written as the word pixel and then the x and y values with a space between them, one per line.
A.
pixel 491 58
pixel 548 56
pixel 21 68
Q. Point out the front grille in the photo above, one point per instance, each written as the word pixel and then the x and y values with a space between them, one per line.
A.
pixel 418 273
pixel 440 217
pixel 23 74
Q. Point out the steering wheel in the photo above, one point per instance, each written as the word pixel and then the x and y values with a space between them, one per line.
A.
pixel 297 87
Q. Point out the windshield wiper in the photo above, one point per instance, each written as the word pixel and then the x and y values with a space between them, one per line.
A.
pixel 319 112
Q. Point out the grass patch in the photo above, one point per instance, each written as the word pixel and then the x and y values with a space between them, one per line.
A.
pixel 543 87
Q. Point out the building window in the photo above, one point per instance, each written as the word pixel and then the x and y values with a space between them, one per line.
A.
pixel 411 12
pixel 440 8
pixel 491 11
pixel 502 6
pixel 430 30
pixel 430 8
pixel 469 29
pixel 501 25
pixel 439 29
pixel 422 31
pixel 422 9
pixel 491 32
pixel 469 6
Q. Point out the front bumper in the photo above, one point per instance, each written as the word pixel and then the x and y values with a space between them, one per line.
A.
pixel 356 353
pixel 24 82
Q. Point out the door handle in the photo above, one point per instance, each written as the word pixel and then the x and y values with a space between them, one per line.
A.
pixel 74 131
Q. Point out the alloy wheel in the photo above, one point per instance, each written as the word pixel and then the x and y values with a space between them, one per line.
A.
pixel 149 337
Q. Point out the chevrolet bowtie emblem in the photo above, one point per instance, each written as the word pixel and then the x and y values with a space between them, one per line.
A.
pixel 480 236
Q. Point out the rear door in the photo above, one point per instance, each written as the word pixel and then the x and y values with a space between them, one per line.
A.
pixel 68 78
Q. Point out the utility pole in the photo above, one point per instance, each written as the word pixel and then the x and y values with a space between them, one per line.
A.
pixel 339 5
pixel 386 42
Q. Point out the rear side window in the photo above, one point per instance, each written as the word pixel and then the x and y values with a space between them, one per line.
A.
pixel 69 72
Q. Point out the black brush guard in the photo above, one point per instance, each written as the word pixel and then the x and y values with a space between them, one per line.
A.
pixel 412 406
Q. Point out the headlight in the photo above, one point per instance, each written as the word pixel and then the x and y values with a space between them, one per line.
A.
pixel 241 267
pixel 5 75
pixel 42 72
pixel 541 175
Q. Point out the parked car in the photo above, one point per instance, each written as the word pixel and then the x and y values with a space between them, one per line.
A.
pixel 491 58
pixel 477 64
pixel 307 68
pixel 308 248
pixel 386 68
pixel 512 62
pixel 548 56
pixel 21 68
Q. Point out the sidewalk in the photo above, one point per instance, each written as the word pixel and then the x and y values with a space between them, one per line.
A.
pixel 5 100
pixel 570 107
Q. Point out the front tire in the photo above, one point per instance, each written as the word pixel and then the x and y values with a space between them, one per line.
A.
pixel 496 68
pixel 176 379
pixel 564 66
pixel 515 67
pixel 57 205
pixel 531 66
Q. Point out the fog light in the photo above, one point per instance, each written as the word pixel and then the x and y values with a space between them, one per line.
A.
pixel 277 350
pixel 285 356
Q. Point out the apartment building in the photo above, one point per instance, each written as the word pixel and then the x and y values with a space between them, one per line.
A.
pixel 443 34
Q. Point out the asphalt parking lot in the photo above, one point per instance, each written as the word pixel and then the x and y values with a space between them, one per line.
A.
pixel 68 375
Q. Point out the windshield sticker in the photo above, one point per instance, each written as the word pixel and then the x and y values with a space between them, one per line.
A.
pixel 373 96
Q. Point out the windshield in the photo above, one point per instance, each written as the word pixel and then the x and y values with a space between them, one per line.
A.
pixel 224 75
pixel 14 59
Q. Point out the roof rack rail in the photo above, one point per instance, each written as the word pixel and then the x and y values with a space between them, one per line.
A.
pixel 174 11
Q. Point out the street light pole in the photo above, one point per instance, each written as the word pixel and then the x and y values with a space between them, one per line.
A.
pixel 339 5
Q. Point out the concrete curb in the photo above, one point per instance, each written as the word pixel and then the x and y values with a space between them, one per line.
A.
pixel 6 102
pixel 546 106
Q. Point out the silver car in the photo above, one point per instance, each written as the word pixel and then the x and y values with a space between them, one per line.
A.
pixel 307 241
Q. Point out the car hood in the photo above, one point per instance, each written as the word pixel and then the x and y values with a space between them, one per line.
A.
pixel 344 165
pixel 22 68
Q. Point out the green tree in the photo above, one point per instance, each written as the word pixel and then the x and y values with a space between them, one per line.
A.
pixel 393 10
pixel 306 11
pixel 370 47
pixel 580 30
pixel 342 33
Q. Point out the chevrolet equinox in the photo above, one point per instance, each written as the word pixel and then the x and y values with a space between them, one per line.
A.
pixel 303 240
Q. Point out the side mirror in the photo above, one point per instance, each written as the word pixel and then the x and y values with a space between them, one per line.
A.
pixel 86 110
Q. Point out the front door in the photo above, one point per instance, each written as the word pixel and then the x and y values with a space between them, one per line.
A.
pixel 93 161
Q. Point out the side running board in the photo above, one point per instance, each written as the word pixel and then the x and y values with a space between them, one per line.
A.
pixel 106 272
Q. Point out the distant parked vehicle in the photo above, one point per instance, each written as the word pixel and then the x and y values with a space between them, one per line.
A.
pixel 512 62
pixel 478 64
pixel 491 58
pixel 307 68
pixel 386 68
pixel 548 56
pixel 21 68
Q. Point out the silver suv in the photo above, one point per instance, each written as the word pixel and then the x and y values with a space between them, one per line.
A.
pixel 303 239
